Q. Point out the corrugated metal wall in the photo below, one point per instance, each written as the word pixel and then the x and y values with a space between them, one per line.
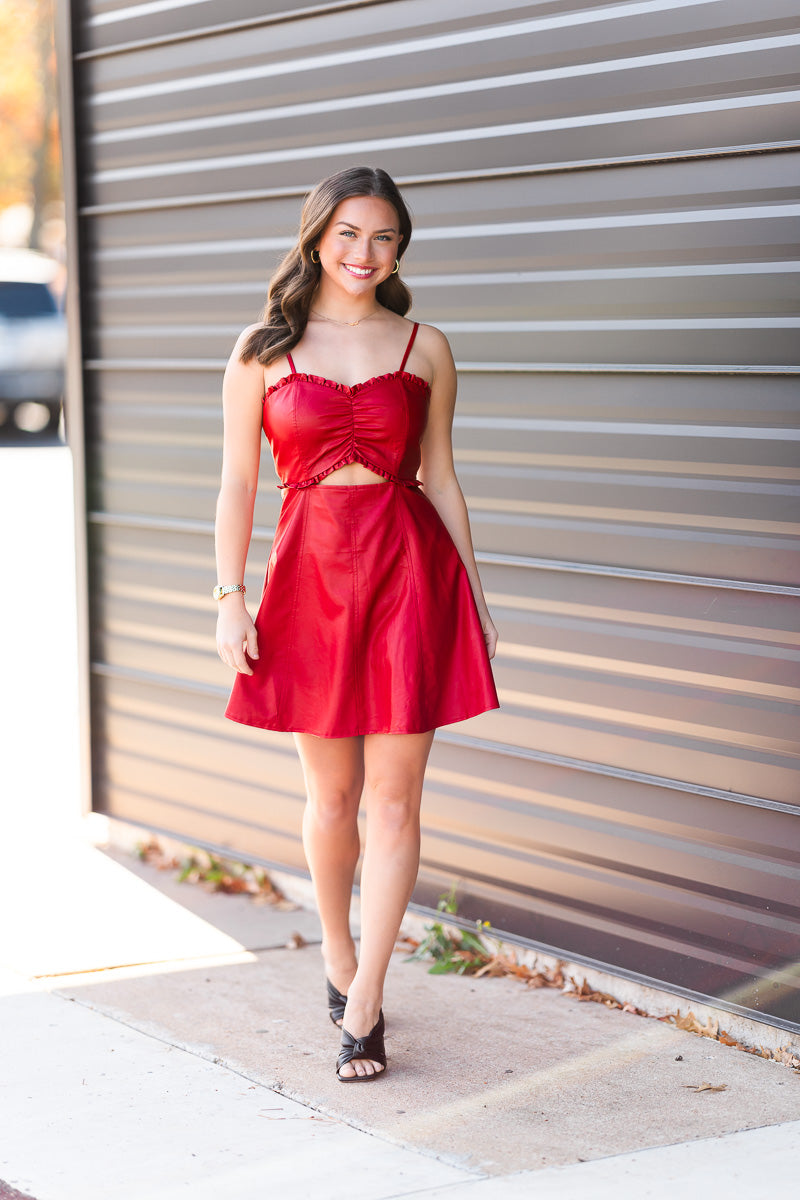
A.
pixel 604 210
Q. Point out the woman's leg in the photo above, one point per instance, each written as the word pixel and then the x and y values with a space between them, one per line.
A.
pixel 334 775
pixel 394 767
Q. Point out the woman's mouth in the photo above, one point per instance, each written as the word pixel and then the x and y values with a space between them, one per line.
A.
pixel 359 272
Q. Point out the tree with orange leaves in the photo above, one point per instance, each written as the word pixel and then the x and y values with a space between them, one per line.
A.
pixel 30 159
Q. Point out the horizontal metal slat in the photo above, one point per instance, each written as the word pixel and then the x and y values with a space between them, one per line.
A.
pixel 176 22
pixel 541 170
pixel 455 99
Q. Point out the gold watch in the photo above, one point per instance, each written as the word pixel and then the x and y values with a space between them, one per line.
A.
pixel 222 589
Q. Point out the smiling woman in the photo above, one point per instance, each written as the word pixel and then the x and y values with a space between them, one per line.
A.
pixel 372 628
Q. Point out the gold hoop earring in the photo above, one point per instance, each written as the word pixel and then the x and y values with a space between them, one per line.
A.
pixel 313 252
pixel 396 266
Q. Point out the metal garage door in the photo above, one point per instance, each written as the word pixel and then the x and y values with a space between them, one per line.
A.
pixel 603 197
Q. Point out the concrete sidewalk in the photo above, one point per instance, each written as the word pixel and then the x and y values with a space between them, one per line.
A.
pixel 159 1041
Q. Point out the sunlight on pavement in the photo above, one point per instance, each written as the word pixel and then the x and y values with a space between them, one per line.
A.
pixel 82 911
pixel 566 1074
pixel 38 643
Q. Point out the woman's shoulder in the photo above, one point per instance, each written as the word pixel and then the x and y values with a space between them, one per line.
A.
pixel 433 348
pixel 246 334
pixel 244 353
pixel 243 371
pixel 430 336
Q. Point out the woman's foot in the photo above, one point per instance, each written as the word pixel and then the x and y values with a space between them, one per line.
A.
pixel 362 1058
pixel 362 1055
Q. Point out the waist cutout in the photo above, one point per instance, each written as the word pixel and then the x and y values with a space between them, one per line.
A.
pixel 353 457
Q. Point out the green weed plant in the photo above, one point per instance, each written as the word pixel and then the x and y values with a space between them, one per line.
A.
pixel 453 951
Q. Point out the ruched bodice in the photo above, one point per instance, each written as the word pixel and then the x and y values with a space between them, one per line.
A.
pixel 315 426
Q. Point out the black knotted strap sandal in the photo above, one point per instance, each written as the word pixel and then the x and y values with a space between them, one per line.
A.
pixel 371 1046
pixel 336 1003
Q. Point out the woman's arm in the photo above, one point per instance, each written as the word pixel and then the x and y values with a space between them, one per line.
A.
pixel 242 396
pixel 438 472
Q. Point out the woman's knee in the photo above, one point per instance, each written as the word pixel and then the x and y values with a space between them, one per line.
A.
pixel 395 808
pixel 334 806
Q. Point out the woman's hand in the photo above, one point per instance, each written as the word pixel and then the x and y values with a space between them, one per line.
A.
pixel 236 634
pixel 489 634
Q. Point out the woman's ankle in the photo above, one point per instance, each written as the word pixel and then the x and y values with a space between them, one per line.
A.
pixel 340 960
pixel 365 995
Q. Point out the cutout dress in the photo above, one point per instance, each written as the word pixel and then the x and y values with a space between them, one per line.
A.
pixel 367 622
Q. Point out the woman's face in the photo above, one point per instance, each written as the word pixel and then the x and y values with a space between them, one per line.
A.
pixel 360 244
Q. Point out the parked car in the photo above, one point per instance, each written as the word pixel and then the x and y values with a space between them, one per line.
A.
pixel 33 343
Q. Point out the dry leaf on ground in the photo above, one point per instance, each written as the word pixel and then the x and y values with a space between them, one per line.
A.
pixel 217 874
pixel 585 992
pixel 707 1087
pixel 152 852
pixel 784 1055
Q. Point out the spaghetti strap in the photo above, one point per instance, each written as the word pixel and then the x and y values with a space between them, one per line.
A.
pixel 290 361
pixel 410 344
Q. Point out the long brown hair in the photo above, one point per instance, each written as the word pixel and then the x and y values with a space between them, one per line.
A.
pixel 292 288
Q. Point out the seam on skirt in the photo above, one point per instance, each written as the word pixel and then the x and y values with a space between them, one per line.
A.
pixel 402 526
pixel 357 688
pixel 288 649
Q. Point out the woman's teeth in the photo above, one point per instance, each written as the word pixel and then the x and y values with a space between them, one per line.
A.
pixel 361 272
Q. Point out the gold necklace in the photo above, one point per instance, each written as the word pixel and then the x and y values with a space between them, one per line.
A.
pixel 350 323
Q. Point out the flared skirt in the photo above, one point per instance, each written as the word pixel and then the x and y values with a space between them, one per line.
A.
pixel 367 622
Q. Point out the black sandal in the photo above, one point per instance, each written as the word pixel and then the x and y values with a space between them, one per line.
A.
pixel 336 1003
pixel 371 1046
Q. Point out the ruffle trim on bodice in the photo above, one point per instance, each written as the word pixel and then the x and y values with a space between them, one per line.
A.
pixel 354 456
pixel 342 387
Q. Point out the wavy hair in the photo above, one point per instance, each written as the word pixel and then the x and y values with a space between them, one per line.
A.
pixel 292 287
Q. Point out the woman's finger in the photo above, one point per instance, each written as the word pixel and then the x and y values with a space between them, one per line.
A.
pixel 228 655
pixel 251 645
pixel 240 662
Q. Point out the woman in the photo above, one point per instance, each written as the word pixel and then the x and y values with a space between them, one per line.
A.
pixel 373 628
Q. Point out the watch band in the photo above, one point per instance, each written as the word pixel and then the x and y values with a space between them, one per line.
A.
pixel 222 589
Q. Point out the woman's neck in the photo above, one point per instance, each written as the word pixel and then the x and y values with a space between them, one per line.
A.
pixel 344 309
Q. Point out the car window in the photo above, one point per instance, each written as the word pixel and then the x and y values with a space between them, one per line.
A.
pixel 19 299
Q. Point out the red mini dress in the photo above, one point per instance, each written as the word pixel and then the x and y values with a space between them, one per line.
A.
pixel 367 622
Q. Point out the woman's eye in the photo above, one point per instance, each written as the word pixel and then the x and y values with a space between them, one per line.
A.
pixel 348 233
